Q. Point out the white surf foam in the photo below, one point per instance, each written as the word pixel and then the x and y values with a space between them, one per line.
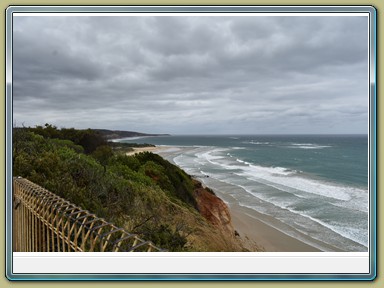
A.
pixel 256 142
pixel 290 179
pixel 307 146
pixel 283 179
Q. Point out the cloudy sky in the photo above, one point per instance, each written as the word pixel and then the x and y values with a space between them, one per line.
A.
pixel 192 75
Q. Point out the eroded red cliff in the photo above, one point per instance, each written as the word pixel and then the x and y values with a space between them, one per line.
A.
pixel 213 208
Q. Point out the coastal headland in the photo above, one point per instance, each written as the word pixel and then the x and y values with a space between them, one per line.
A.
pixel 141 193
pixel 145 193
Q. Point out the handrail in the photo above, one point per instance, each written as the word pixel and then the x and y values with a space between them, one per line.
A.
pixel 45 222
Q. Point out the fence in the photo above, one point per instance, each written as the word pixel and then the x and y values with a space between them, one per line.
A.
pixel 45 222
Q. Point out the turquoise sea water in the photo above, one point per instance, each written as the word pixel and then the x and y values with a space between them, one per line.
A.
pixel 316 186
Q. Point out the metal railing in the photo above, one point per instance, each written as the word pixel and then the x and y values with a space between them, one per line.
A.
pixel 45 222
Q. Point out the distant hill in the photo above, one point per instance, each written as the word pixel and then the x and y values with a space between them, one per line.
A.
pixel 117 134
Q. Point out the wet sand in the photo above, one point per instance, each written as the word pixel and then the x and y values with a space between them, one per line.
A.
pixel 248 224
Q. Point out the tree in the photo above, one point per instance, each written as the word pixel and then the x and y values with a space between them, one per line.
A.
pixel 90 140
pixel 103 154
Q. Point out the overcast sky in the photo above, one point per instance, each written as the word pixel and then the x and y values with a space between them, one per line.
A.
pixel 192 75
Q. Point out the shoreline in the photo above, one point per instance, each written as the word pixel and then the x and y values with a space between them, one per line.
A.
pixel 152 149
pixel 248 223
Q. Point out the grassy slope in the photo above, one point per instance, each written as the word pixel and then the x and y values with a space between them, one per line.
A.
pixel 144 193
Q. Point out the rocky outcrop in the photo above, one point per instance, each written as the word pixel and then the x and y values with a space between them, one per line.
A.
pixel 213 208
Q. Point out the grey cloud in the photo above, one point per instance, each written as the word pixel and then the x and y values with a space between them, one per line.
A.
pixel 196 74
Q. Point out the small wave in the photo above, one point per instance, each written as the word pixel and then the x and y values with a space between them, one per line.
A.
pixel 273 170
pixel 243 162
pixel 256 142
pixel 208 155
pixel 307 146
pixel 238 148
pixel 283 171
pixel 204 173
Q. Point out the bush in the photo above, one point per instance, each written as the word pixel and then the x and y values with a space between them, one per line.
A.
pixel 143 192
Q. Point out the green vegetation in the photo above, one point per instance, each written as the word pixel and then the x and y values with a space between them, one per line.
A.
pixel 143 193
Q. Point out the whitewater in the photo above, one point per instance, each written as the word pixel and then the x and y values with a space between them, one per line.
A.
pixel 316 186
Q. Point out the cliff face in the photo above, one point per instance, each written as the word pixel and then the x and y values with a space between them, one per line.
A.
pixel 213 208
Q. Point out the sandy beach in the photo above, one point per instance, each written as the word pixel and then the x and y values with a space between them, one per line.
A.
pixel 251 225
pixel 147 149
pixel 253 228
pixel 247 224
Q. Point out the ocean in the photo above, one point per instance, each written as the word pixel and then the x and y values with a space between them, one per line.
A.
pixel 316 186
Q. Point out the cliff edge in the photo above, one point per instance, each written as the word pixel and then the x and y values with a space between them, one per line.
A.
pixel 213 208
